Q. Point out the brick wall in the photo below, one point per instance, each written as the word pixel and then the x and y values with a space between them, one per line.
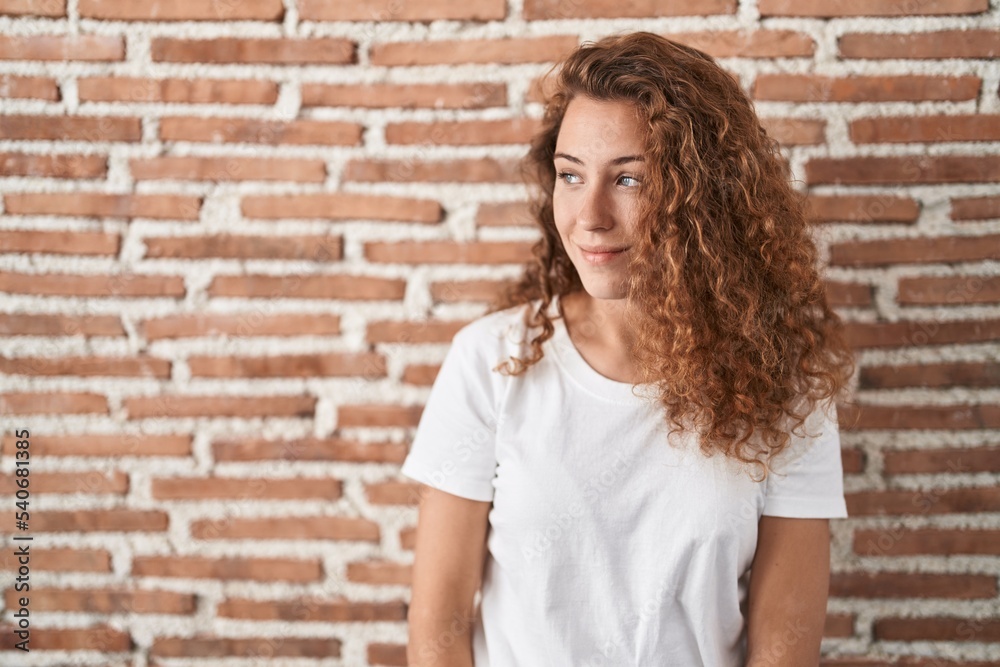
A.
pixel 238 235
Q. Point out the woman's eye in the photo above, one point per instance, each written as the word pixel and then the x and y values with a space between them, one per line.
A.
pixel 563 175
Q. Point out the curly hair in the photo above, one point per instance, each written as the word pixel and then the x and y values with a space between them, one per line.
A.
pixel 730 314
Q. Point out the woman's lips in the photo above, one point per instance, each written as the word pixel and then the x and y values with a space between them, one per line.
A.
pixel 599 258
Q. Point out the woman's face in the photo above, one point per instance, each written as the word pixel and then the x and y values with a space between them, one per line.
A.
pixel 599 167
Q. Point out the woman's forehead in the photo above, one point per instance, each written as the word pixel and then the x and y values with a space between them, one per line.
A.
pixel 599 130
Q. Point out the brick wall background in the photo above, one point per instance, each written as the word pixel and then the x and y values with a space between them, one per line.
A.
pixel 238 235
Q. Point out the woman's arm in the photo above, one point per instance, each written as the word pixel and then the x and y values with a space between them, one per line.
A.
pixel 447 571
pixel 789 584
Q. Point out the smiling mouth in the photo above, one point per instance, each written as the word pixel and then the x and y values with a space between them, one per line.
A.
pixel 602 257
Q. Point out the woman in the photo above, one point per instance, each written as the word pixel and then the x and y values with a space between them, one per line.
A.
pixel 648 476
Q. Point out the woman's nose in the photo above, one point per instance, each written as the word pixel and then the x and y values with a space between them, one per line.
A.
pixel 594 211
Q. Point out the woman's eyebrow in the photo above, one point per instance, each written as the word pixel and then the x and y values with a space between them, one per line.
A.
pixel 618 160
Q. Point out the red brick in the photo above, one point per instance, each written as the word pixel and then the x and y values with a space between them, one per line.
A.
pixel 226 569
pixel 941 460
pixel 29 87
pixel 937 628
pixel 393 493
pixel 235 246
pixel 915 250
pixel 940 417
pixel 107 601
pixel 381 11
pixel 476 95
pixel 838 8
pixel 957 291
pixel 287 528
pixel 176 406
pixel 87 366
pixel 61 560
pixel 62 47
pixel 378 416
pixel 838 625
pixel 344 286
pixel 504 214
pixel 918 333
pixel 25 324
pixel 407 537
pixel 925 129
pixel 795 131
pixel 420 374
pixel 911 585
pixel 228 169
pixel 850 295
pixel 472 170
pixel 323 365
pixel 455 291
pixel 975 208
pixel 539 90
pixel 541 10
pixel 912 169
pixel 65 284
pixel 937 44
pixel 413 331
pixel 903 88
pixel 379 572
pixel 312 609
pixel 218 647
pixel 103 520
pixel 104 205
pixel 899 541
pixel 275 51
pixel 83 481
pixel 448 252
pixel 951 374
pixel 393 655
pixel 66 403
pixel 182 10
pixel 309 449
pixel 504 51
pixel 748 43
pixel 249 130
pixel 238 325
pixel 925 501
pixel 342 206
pixel 109 445
pixel 53 165
pixel 49 8
pixel 69 128
pixel 862 208
pixel 463 132
pixel 853 460
pixel 99 638
pixel 245 488
pixel 191 91
pixel 30 242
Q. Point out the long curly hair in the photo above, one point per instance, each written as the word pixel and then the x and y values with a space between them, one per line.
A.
pixel 729 312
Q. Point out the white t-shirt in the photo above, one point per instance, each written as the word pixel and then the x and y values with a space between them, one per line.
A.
pixel 606 545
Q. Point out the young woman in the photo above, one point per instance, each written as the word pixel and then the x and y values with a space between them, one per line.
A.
pixel 633 457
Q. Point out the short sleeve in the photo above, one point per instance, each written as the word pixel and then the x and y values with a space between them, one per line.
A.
pixel 454 448
pixel 807 477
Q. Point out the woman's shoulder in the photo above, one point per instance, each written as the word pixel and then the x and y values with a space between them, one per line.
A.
pixel 501 334
pixel 507 325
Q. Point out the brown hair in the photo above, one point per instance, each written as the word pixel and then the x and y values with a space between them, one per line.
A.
pixel 729 311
